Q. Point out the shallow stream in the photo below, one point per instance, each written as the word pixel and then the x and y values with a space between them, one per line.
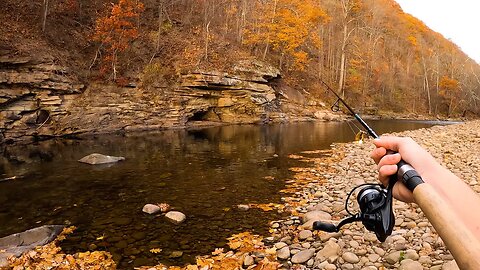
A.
pixel 203 173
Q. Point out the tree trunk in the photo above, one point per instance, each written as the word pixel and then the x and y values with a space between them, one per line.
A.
pixel 268 39
pixel 342 63
pixel 207 34
pixel 160 23
pixel 426 86
pixel 44 14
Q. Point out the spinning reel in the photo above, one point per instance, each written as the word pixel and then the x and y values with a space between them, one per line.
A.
pixel 376 212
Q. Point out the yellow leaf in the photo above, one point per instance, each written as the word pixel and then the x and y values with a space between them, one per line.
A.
pixel 202 262
pixel 235 244
pixel 271 251
pixel 155 250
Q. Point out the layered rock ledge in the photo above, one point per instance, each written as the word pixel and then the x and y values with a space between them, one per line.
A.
pixel 40 99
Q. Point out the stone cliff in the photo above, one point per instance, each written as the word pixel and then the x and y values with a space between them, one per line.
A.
pixel 40 99
pixel 33 93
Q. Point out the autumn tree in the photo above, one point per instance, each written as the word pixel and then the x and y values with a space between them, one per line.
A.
pixel 116 31
pixel 286 26
pixel 450 91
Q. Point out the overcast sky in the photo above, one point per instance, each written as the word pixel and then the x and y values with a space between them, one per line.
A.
pixel 458 20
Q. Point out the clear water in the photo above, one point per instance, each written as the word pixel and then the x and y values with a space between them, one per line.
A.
pixel 203 173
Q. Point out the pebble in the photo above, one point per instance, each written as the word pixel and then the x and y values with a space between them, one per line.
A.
pixel 409 264
pixel 393 257
pixel 373 257
pixel 283 253
pixel 248 260
pixel 305 234
pixel 350 257
pixel 331 249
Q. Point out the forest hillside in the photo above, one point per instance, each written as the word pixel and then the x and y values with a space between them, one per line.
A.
pixel 378 57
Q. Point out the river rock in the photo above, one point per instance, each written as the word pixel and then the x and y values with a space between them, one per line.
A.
pixel 331 249
pixel 18 243
pixel 303 256
pixel 151 208
pixel 248 260
pixel 283 253
pixel 176 254
pixel 316 215
pixel 411 254
pixel 350 257
pixel 175 217
pixel 393 257
pixel 243 207
pixel 96 158
pixel 330 266
pixel 304 234
pixel 409 264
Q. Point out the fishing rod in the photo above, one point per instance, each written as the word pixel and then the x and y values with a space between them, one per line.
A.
pixel 370 131
pixel 376 211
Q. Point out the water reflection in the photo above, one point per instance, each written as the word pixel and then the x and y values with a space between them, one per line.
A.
pixel 202 173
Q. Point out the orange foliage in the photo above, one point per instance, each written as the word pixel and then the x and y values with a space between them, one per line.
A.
pixel 412 40
pixel 116 30
pixel 449 87
pixel 287 25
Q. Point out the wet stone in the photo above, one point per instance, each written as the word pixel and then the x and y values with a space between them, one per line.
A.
pixel 121 221
pixel 139 235
pixel 121 244
pixel 176 254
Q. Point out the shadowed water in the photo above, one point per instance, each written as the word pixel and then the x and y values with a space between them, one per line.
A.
pixel 203 173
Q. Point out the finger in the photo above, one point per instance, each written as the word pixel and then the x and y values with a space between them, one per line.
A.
pixel 389 160
pixel 385 171
pixel 388 142
pixel 377 154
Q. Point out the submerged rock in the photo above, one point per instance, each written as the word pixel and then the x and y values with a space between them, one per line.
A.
pixel 175 217
pixel 151 208
pixel 18 243
pixel 96 158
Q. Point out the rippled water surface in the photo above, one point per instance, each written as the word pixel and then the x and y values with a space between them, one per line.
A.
pixel 203 173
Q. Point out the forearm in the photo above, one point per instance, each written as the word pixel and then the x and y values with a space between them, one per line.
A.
pixel 457 194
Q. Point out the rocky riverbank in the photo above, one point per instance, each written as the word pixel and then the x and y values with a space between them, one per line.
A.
pixel 414 244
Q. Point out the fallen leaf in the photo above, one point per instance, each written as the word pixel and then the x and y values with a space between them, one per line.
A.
pixel 155 250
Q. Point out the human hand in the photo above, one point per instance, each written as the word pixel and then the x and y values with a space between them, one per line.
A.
pixel 408 150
